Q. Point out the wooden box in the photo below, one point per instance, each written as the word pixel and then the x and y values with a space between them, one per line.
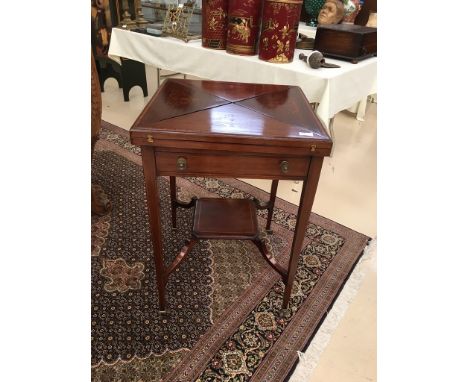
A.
pixel 346 41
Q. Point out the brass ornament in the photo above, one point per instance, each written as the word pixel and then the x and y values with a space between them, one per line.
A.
pixel 181 163
pixel 284 165
pixel 177 21
pixel 140 19
pixel 126 21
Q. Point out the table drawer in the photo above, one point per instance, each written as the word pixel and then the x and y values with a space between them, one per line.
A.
pixel 247 166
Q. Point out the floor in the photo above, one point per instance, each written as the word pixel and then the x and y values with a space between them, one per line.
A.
pixel 346 194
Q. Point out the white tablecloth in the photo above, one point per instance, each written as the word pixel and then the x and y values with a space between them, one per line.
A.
pixel 334 89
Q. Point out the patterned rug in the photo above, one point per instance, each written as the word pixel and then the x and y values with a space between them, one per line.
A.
pixel 223 321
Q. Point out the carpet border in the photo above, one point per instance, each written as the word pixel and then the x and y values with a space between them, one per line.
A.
pixel 319 324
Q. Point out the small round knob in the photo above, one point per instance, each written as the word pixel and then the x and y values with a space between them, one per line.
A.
pixel 284 165
pixel 181 163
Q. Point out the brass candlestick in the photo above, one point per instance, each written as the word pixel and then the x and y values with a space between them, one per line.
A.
pixel 126 17
pixel 140 19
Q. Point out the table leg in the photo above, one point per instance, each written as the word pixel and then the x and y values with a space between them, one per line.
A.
pixel 332 134
pixel 271 204
pixel 172 181
pixel 307 199
pixel 154 211
pixel 159 77
pixel 361 110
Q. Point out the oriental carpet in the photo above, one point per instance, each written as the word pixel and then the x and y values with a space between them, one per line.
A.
pixel 223 321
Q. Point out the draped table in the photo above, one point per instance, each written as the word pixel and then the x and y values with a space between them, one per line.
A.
pixel 334 89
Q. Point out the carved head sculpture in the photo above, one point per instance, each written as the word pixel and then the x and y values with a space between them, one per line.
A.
pixel 332 12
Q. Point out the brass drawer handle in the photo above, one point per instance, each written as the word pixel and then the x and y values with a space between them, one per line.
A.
pixel 284 166
pixel 181 163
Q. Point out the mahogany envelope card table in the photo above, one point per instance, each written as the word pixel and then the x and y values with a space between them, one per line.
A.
pixel 229 130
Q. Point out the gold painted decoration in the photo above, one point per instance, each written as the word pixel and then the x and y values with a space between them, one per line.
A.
pixel 214 23
pixel 243 26
pixel 280 22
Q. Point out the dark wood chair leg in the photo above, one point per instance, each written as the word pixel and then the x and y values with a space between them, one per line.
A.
pixel 271 204
pixel 133 73
pixel 108 68
pixel 100 75
pixel 172 182
pixel 144 87
pixel 126 94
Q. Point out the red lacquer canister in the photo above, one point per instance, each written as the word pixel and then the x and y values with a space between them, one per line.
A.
pixel 214 23
pixel 243 26
pixel 279 30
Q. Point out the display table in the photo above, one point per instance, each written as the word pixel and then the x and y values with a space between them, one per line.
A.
pixel 334 89
pixel 229 130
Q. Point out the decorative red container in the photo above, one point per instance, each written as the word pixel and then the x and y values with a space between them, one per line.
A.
pixel 214 23
pixel 243 26
pixel 279 30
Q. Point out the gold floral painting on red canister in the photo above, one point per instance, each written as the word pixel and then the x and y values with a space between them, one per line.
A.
pixel 279 30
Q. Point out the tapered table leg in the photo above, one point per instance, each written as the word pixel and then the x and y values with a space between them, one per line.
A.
pixel 154 211
pixel 307 199
pixel 172 182
pixel 271 204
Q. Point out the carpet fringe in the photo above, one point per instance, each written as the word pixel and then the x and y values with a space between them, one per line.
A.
pixel 310 358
